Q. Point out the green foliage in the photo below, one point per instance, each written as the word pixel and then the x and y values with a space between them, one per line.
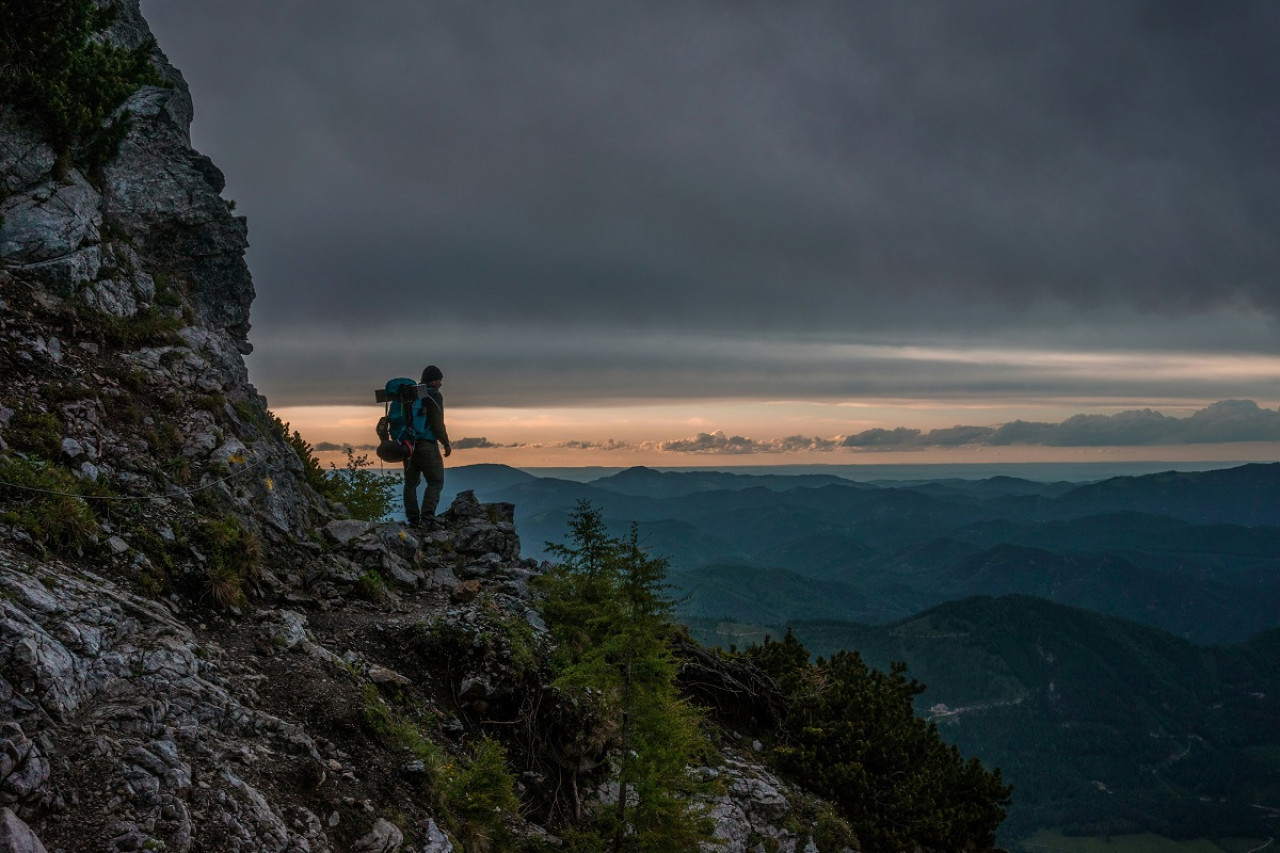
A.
pixel 150 326
pixel 44 500
pixel 365 493
pixel 66 392
pixel 373 587
pixel 477 795
pixel 474 796
pixel 610 619
pixel 36 433
pixel 850 735
pixel 232 555
pixel 67 82
pixel 312 473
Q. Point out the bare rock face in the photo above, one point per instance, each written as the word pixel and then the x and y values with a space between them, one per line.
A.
pixel 93 676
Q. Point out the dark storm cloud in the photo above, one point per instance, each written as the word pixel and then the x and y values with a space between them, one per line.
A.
pixel 499 366
pixel 812 168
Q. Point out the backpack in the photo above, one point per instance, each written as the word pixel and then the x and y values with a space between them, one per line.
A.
pixel 396 426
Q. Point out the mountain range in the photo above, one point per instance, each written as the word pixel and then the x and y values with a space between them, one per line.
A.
pixel 1194 553
pixel 1111 645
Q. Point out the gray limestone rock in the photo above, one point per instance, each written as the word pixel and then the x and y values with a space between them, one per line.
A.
pixel 384 837
pixel 437 840
pixel 25 160
pixel 23 770
pixel 16 836
pixel 49 221
pixel 345 530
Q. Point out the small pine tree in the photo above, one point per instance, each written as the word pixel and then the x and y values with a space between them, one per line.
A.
pixel 608 612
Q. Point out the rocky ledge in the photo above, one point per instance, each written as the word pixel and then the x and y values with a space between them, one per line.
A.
pixel 137 724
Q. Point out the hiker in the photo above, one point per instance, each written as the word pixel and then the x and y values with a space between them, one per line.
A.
pixel 425 461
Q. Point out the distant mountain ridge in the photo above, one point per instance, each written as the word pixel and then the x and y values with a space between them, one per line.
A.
pixel 1188 552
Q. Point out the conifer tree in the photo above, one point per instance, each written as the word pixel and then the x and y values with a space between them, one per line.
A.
pixel 610 616
pixel 852 736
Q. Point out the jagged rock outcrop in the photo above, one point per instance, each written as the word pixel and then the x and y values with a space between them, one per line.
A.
pixel 125 314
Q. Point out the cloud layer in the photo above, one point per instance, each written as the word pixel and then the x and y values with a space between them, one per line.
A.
pixel 1224 422
pixel 510 187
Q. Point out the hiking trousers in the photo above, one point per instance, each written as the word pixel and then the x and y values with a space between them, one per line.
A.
pixel 426 462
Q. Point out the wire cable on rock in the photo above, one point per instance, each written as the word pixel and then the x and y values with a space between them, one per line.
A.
pixel 190 491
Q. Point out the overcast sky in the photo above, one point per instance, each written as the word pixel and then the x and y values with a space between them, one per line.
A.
pixel 1046 206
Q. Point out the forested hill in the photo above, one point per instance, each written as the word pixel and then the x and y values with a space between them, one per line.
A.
pixel 1102 724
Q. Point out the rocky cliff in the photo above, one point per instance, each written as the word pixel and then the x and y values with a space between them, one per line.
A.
pixel 197 652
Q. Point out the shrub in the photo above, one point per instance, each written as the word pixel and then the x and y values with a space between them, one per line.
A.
pixel 36 434
pixel 312 473
pixel 45 501
pixel 232 556
pixel 66 82
pixel 365 493
pixel 477 795
pixel 474 796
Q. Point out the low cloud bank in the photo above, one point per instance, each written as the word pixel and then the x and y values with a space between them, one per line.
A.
pixel 479 443
pixel 718 442
pixel 1223 422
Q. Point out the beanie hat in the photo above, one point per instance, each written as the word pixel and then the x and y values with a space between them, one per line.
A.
pixel 431 374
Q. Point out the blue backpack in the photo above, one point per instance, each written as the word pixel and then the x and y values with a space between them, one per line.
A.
pixel 396 428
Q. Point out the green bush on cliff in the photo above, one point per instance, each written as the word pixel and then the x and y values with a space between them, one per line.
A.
pixel 366 494
pixel 45 501
pixel 850 734
pixel 67 81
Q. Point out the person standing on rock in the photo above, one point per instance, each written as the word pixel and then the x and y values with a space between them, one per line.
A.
pixel 426 461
